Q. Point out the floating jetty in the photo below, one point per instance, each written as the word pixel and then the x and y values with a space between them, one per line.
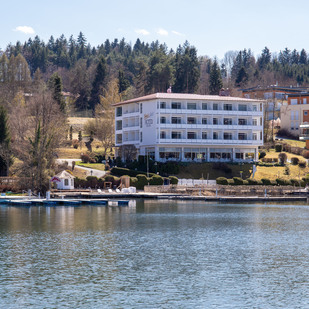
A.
pixel 26 201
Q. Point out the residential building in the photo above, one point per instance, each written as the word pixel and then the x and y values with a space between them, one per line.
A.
pixel 295 116
pixel 190 127
pixel 295 113
pixel 275 96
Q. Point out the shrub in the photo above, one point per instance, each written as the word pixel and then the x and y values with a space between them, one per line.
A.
pixel 252 181
pixel 282 182
pixel 278 147
pixel 302 164
pixel 113 179
pixel 305 154
pixel 294 160
pixel 222 181
pixel 156 180
pixel 294 182
pixel 238 181
pixel 262 154
pixel 222 167
pixel 231 182
pixel 75 143
pixel 121 171
pixel 133 181
pixel 282 158
pixel 142 181
pixel 85 158
pixel 173 180
pixel 92 181
pixel 266 181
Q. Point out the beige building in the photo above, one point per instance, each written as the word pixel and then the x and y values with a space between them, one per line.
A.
pixel 295 115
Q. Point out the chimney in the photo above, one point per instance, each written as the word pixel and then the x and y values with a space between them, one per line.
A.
pixel 224 92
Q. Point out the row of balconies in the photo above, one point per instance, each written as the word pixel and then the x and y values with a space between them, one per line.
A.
pixel 210 141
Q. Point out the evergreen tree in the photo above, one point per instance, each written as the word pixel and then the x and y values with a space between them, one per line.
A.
pixel 98 83
pixel 5 143
pixel 303 57
pixel 187 69
pixel 122 81
pixel 215 79
pixel 55 84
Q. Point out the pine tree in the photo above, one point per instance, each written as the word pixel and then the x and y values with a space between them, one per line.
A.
pixel 98 83
pixel 5 143
pixel 215 79
pixel 55 84
pixel 122 81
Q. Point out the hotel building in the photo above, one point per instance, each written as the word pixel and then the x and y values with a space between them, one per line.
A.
pixel 190 127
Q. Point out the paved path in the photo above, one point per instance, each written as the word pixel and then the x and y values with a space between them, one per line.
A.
pixel 90 171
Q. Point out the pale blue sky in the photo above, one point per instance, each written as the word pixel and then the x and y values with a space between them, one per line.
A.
pixel 213 27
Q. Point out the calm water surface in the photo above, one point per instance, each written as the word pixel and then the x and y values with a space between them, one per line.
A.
pixel 160 254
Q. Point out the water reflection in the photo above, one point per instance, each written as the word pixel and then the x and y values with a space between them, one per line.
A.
pixel 159 254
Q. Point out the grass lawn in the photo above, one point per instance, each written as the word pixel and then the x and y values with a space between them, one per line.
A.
pixel 80 173
pixel 96 166
pixel 294 143
pixel 295 172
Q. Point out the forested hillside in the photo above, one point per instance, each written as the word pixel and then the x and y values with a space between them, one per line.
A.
pixel 142 68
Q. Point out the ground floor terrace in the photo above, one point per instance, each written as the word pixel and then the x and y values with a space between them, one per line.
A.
pixel 229 153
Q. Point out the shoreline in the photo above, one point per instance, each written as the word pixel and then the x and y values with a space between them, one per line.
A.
pixel 84 197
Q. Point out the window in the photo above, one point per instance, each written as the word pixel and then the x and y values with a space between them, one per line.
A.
pixel 162 105
pixel 119 138
pixel 141 122
pixel 304 101
pixel 66 182
pixel 242 136
pixel 141 137
pixel 176 120
pixel 305 113
pixel 293 101
pixel 239 155
pixel 215 107
pixel 204 106
pixel 227 121
pixel 191 106
pixel 204 120
pixel 254 136
pixel 119 125
pixel 227 107
pixel 141 108
pixel 254 122
pixel 227 135
pixel 215 121
pixel 176 135
pixel 191 135
pixel 162 134
pixel 242 107
pixel 119 111
pixel 215 135
pixel 242 122
pixel 191 120
pixel 204 135
pixel 254 108
pixel 162 119
pixel 176 105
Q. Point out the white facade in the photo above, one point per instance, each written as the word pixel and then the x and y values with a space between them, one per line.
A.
pixel 188 127
pixel 66 181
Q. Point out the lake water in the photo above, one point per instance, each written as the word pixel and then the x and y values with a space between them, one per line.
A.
pixel 159 254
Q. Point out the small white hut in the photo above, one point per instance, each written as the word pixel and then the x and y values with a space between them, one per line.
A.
pixel 64 181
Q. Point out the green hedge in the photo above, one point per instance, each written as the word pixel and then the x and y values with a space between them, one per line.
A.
pixel 156 180
pixel 222 181
pixel 173 180
pixel 121 171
